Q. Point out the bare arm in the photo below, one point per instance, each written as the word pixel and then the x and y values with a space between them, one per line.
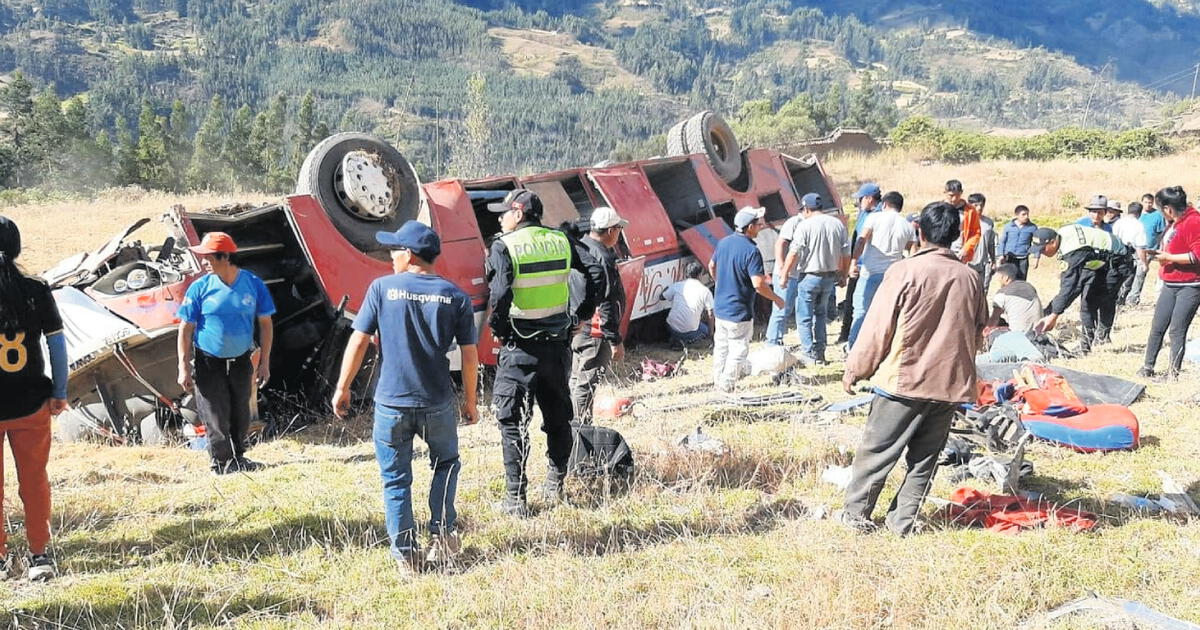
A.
pixel 786 274
pixel 470 379
pixel 356 349
pixel 266 338
pixel 184 346
pixel 762 285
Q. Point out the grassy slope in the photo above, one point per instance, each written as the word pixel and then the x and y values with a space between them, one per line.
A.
pixel 146 538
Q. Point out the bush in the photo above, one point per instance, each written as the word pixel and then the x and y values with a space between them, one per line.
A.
pixel 922 135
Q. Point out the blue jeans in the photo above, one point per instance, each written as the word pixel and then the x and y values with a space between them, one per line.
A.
pixel 393 434
pixel 689 338
pixel 864 292
pixel 777 325
pixel 811 310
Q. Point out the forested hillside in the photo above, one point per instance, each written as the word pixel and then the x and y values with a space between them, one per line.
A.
pixel 231 93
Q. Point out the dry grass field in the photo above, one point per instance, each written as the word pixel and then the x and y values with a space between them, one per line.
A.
pixel 146 538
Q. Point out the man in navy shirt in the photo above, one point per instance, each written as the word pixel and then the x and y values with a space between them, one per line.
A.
pixel 216 324
pixel 737 267
pixel 419 316
pixel 1013 247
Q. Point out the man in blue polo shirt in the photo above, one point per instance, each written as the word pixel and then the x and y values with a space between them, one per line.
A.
pixel 737 267
pixel 216 325
pixel 1013 247
pixel 419 316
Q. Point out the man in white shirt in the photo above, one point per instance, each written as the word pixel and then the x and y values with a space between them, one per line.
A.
pixel 819 245
pixel 777 325
pixel 884 238
pixel 690 318
pixel 1128 229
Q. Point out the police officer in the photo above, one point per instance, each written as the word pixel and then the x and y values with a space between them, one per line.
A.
pixel 529 267
pixel 598 343
pixel 1095 264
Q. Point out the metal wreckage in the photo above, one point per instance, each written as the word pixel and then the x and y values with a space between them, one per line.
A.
pixel 317 253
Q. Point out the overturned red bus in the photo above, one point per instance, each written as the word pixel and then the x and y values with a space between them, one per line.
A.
pixel 316 252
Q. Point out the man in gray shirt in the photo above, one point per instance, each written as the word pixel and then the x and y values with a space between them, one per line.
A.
pixel 819 245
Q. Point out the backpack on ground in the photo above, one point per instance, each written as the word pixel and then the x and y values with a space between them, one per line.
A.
pixel 599 452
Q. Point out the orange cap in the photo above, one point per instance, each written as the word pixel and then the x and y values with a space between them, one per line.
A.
pixel 215 242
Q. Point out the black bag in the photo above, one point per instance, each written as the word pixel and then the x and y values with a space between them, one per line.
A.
pixel 599 452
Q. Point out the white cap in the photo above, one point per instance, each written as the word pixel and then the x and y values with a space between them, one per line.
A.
pixel 605 217
pixel 748 215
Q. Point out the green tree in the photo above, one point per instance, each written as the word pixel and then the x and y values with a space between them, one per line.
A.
pixel 16 102
pixel 304 132
pixel 153 164
pixel 472 150
pixel 46 153
pixel 277 171
pixel 179 144
pixel 126 154
pixel 205 170
pixel 238 154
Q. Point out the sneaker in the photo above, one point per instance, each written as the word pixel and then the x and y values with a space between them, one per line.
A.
pixel 443 548
pixel 1170 376
pixel 513 506
pixel 1145 372
pixel 41 568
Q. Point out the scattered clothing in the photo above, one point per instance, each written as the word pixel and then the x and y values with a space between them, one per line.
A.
pixel 1012 515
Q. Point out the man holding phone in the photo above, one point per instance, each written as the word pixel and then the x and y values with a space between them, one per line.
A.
pixel 419 316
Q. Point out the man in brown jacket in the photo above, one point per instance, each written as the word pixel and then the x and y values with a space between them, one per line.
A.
pixel 918 345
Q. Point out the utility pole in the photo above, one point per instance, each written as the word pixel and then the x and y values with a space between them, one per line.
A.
pixel 1194 77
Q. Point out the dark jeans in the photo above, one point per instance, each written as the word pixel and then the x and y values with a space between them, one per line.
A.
pixel 591 358
pixel 529 371
pixel 1173 313
pixel 1022 265
pixel 223 389
pixel 688 338
pixel 894 426
pixel 393 433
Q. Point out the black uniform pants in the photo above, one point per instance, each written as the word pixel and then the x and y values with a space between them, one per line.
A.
pixel 223 389
pixel 529 371
pixel 1098 304
pixel 916 429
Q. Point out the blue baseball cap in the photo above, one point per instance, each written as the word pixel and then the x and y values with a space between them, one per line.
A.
pixel 869 189
pixel 414 236
pixel 811 200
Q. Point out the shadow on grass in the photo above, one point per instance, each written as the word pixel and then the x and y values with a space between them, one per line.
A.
pixel 213 541
pixel 625 536
pixel 153 606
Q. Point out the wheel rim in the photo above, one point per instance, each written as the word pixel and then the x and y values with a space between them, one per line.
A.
pixel 363 188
